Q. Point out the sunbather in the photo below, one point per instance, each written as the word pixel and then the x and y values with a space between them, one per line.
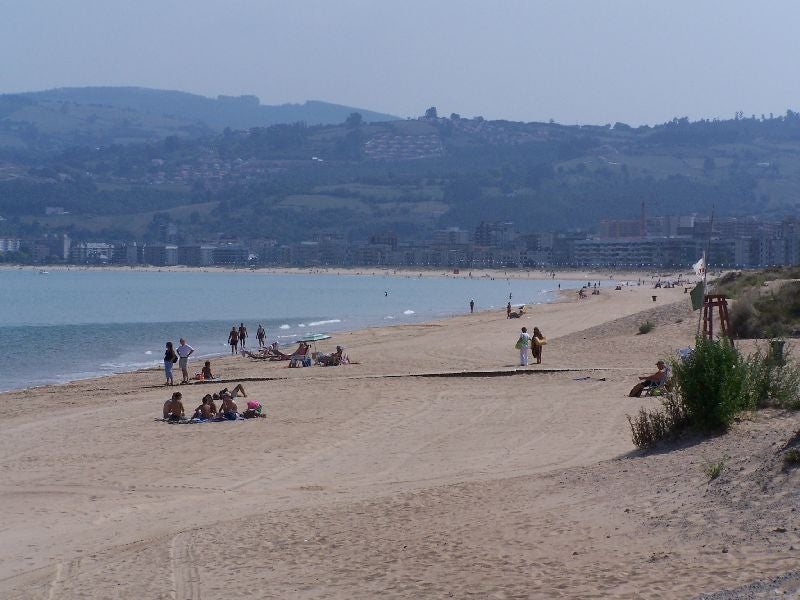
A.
pixel 332 360
pixel 229 410
pixel 239 389
pixel 207 410
pixel 173 408
pixel 207 370
pixel 657 379
pixel 253 411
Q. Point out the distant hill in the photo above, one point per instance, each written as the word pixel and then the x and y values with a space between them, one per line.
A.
pixel 292 181
pixel 118 115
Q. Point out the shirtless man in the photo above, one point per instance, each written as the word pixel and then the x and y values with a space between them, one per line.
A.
pixel 173 408
pixel 647 381
pixel 206 410
pixel 229 410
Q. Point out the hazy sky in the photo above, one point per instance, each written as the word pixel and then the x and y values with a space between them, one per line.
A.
pixel 589 61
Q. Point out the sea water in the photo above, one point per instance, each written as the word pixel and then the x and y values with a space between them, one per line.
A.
pixel 73 324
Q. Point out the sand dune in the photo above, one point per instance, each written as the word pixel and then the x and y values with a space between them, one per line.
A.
pixel 381 479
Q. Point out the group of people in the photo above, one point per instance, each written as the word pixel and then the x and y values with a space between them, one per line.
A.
pixel 174 411
pixel 301 356
pixel 533 343
pixel 237 338
pixel 178 355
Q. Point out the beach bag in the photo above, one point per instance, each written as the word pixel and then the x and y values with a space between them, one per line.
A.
pixel 520 343
pixel 540 341
pixel 174 358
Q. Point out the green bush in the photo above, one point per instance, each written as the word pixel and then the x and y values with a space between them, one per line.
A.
pixel 791 458
pixel 714 470
pixel 645 327
pixel 651 427
pixel 712 383
pixel 772 383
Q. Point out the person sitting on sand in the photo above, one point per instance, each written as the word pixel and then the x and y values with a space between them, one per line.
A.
pixel 648 381
pixel 207 410
pixel 206 371
pixel 254 410
pixel 332 360
pixel 173 408
pixel 229 410
pixel 518 313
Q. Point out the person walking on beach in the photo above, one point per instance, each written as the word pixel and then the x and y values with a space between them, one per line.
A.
pixel 170 358
pixel 242 335
pixel 233 340
pixel 472 306
pixel 260 335
pixel 523 343
pixel 184 351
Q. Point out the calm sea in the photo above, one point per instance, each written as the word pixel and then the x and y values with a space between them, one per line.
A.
pixel 68 325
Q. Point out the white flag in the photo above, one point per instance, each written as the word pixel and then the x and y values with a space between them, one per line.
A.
pixel 700 266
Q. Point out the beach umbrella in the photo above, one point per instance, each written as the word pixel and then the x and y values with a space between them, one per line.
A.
pixel 314 338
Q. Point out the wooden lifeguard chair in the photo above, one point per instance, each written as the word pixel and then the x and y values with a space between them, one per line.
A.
pixel 710 302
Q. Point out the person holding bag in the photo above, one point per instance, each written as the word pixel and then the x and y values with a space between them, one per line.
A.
pixel 170 358
pixel 523 343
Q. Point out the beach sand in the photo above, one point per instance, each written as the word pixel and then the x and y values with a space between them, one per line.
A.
pixel 433 468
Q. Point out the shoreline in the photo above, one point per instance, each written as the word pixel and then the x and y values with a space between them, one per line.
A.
pixel 554 296
pixel 590 274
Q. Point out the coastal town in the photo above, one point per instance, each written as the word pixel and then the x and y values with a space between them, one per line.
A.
pixel 659 241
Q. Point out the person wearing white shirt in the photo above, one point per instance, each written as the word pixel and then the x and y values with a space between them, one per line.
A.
pixel 184 351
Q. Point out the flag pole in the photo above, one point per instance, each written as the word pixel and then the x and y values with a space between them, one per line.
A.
pixel 706 254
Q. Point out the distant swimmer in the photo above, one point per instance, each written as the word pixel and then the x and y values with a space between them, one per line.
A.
pixel 386 293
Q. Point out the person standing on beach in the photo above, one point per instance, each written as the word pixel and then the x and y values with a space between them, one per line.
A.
pixel 523 343
pixel 242 335
pixel 472 306
pixel 508 310
pixel 170 358
pixel 184 351
pixel 537 341
pixel 260 335
pixel 233 340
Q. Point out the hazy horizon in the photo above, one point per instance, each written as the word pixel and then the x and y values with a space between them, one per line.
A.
pixel 574 61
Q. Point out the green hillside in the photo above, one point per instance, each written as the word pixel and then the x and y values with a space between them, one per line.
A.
pixel 414 176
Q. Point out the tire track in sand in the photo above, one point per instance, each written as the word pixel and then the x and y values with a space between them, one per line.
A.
pixel 184 573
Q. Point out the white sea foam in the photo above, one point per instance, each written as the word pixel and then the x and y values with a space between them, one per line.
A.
pixel 408 312
pixel 284 327
pixel 389 317
pixel 318 323
pixel 301 324
pixel 148 352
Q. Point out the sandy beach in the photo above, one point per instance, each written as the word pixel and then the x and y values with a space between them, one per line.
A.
pixel 433 468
